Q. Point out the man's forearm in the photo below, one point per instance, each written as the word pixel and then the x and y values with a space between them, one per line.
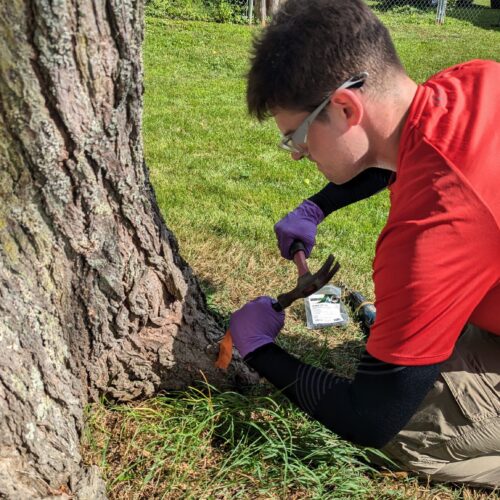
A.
pixel 367 183
pixel 369 410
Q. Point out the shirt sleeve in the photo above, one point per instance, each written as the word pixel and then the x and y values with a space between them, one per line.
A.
pixel 369 410
pixel 369 182
pixel 435 260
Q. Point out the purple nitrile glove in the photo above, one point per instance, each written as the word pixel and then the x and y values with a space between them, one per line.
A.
pixel 255 325
pixel 300 224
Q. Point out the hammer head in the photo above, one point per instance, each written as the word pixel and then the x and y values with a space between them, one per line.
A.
pixel 309 283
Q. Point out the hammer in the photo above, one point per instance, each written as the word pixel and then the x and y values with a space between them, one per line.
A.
pixel 307 284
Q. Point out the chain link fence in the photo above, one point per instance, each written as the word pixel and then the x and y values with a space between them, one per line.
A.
pixel 475 11
pixel 479 12
pixel 468 10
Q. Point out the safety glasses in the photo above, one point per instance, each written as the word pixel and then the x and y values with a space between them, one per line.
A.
pixel 293 142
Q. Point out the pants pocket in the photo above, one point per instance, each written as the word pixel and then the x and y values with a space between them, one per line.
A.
pixel 472 375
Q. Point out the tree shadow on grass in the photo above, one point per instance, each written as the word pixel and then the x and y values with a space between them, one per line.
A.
pixel 209 289
pixel 479 15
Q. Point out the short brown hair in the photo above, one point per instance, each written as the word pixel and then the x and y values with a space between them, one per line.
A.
pixel 313 46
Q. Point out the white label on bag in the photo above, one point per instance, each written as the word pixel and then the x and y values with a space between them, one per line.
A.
pixel 325 309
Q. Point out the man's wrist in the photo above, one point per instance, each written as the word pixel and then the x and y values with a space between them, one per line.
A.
pixel 313 210
pixel 255 353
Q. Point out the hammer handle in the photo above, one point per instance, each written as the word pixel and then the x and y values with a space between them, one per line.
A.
pixel 297 250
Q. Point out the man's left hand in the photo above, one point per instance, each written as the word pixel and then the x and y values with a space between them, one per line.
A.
pixel 255 325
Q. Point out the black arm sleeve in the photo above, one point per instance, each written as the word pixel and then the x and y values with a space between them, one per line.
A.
pixel 369 410
pixel 367 183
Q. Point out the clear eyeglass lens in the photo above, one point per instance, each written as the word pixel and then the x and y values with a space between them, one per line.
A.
pixel 288 145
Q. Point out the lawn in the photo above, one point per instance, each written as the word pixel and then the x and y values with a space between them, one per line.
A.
pixel 222 183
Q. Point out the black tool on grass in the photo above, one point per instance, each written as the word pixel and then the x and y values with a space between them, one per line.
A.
pixel 363 309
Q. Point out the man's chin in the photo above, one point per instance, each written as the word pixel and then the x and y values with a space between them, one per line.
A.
pixel 339 178
pixel 331 176
pixel 335 179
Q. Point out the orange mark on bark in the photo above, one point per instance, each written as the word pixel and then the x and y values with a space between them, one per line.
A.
pixel 225 351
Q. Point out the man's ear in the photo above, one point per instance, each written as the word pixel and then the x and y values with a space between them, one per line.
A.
pixel 351 106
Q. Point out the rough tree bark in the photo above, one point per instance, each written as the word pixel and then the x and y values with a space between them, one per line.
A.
pixel 94 297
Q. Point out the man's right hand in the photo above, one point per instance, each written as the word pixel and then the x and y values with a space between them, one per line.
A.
pixel 300 224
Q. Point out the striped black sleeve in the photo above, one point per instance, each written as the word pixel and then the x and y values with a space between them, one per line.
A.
pixel 367 183
pixel 369 410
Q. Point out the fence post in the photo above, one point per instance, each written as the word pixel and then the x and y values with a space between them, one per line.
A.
pixel 250 11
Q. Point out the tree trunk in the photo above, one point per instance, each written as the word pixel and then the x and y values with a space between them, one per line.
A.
pixel 273 6
pixel 263 12
pixel 94 297
pixel 266 8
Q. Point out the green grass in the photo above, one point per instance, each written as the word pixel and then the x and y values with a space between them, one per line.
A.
pixel 222 183
pixel 223 444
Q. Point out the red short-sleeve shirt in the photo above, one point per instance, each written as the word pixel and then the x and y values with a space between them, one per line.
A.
pixel 437 262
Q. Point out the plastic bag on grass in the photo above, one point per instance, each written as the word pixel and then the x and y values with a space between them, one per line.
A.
pixel 325 308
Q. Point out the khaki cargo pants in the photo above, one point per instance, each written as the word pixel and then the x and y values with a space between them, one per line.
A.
pixel 455 434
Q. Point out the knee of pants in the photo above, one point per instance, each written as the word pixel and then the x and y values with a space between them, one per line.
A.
pixel 459 419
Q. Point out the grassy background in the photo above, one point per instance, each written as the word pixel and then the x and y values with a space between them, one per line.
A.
pixel 221 184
